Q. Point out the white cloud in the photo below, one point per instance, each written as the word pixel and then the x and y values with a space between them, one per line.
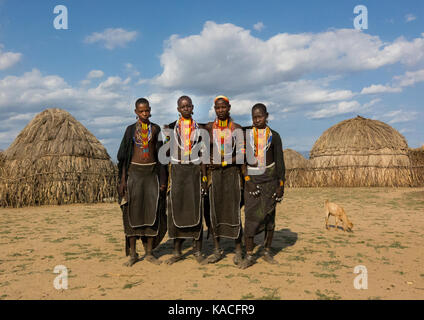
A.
pixel 85 82
pixel 399 116
pixel 33 92
pixel 93 74
pixel 410 17
pixel 290 73
pixel 142 81
pixel 406 130
pixel 342 107
pixel 291 96
pixel 410 78
pixel 8 59
pixel 108 105
pixel 286 97
pixel 332 110
pixel 19 117
pixel 109 122
pixel 378 88
pixel 371 103
pixel 131 70
pixel 310 92
pixel 164 104
pixel 241 107
pixel 112 38
pixel 229 59
pixel 259 26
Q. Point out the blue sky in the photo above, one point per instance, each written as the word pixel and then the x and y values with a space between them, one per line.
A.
pixel 303 59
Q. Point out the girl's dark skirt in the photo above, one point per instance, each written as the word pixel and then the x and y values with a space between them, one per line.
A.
pixel 260 211
pixel 185 202
pixel 143 213
pixel 225 200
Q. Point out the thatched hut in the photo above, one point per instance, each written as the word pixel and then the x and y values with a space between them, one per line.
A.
pixel 416 156
pixel 56 160
pixel 360 152
pixel 296 166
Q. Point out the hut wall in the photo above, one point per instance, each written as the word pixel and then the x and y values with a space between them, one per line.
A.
pixel 382 168
pixel 297 178
pixel 360 177
pixel 417 166
pixel 296 166
pixel 56 180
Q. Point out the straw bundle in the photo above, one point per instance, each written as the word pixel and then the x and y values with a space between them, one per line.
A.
pixel 360 152
pixel 56 160
pixel 296 169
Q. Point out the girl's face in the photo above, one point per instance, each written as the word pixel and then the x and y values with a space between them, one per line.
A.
pixel 185 108
pixel 143 112
pixel 222 109
pixel 259 118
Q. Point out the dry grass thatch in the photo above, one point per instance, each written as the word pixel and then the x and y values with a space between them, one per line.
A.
pixel 1 159
pixel 416 156
pixel 56 160
pixel 296 169
pixel 360 152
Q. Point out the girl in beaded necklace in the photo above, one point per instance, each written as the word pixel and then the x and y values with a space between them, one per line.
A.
pixel 185 201
pixel 264 183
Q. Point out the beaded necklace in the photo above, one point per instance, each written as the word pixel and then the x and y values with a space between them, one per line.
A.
pixel 142 136
pixel 260 140
pixel 184 129
pixel 222 134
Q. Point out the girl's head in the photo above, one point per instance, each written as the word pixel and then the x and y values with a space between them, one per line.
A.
pixel 142 109
pixel 185 107
pixel 259 116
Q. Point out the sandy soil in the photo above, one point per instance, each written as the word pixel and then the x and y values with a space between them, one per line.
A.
pixel 313 263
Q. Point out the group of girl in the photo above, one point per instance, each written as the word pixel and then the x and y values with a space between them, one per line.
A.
pixel 176 197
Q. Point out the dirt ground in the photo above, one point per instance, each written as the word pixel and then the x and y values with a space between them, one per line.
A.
pixel 313 263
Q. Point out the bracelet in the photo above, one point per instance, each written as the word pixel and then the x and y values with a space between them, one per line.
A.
pixel 281 183
pixel 204 179
pixel 246 178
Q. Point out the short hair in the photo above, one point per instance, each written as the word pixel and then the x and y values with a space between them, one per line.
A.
pixel 260 106
pixel 142 101
pixel 180 99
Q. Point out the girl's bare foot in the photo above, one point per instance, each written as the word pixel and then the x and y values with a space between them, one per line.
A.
pixel 151 258
pixel 238 258
pixel 175 257
pixel 268 257
pixel 133 259
pixel 200 258
pixel 248 261
pixel 217 255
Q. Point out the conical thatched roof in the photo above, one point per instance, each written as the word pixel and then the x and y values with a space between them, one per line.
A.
pixel 360 152
pixel 359 136
pixel 56 160
pixel 293 159
pixel 54 132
